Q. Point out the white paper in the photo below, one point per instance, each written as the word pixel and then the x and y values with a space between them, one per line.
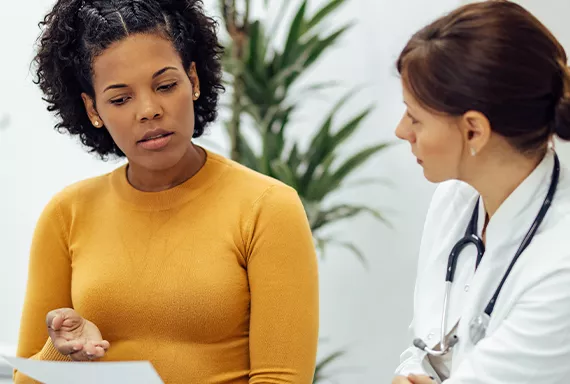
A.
pixel 5 368
pixel 56 372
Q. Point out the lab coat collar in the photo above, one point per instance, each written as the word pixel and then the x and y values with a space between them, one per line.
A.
pixel 515 215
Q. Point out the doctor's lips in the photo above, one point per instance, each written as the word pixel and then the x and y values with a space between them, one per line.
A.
pixel 155 139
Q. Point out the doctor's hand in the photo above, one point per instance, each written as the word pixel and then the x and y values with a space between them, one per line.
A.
pixel 420 379
pixel 74 336
pixel 413 379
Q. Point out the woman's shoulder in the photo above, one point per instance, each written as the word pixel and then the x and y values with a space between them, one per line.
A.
pixel 248 182
pixel 82 191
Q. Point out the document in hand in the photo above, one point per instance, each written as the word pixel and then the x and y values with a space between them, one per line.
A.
pixel 55 372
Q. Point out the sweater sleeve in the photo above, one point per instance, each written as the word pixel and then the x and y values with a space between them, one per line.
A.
pixel 48 287
pixel 283 277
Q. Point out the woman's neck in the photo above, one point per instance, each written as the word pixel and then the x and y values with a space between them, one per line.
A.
pixel 497 178
pixel 149 180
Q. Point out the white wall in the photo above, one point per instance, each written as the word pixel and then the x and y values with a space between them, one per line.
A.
pixel 363 310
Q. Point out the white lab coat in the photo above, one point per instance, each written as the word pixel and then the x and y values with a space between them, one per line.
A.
pixel 528 339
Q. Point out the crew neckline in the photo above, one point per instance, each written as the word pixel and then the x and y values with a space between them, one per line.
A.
pixel 213 168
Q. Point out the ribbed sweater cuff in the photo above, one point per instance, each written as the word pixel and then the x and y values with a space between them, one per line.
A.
pixel 49 353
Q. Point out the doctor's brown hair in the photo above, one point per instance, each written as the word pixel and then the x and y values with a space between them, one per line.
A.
pixel 496 58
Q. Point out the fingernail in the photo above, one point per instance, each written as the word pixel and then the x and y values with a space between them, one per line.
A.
pixel 431 377
pixel 76 348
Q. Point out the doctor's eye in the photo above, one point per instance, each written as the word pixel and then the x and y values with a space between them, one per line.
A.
pixel 413 120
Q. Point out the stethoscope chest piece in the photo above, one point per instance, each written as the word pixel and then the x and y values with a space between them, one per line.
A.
pixel 478 327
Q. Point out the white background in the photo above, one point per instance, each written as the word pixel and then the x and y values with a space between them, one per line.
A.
pixel 365 311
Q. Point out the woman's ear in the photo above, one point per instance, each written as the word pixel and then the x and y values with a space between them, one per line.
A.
pixel 91 111
pixel 193 76
pixel 477 131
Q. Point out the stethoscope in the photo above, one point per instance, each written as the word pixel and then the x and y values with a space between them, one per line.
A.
pixel 478 325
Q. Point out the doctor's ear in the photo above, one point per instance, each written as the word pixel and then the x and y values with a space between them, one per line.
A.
pixel 477 130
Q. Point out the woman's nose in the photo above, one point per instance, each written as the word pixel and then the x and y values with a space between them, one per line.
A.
pixel 149 110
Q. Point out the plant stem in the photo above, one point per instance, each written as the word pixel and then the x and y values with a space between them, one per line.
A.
pixel 235 122
pixel 238 34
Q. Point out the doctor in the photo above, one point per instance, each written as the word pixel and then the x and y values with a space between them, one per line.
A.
pixel 487 89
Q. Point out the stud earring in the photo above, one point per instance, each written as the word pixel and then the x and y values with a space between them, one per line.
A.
pixel 96 123
pixel 196 94
pixel 473 152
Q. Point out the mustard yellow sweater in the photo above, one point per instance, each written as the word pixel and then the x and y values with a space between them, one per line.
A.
pixel 213 281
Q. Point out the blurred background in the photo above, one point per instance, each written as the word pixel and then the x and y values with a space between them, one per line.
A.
pixel 313 99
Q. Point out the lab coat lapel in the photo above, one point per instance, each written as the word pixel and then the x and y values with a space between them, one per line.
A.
pixel 429 304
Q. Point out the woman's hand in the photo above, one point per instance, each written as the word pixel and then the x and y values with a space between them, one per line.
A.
pixel 74 336
pixel 401 380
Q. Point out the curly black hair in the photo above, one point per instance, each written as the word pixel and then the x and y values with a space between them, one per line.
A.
pixel 75 31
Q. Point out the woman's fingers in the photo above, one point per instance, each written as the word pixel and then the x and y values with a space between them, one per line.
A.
pixel 51 320
pixel 95 350
pixel 67 347
pixel 55 318
pixel 99 352
pixel 103 344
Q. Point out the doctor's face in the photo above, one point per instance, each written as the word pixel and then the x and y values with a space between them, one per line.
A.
pixel 435 139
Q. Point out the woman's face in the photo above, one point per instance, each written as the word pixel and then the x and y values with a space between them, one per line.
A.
pixel 144 98
pixel 436 140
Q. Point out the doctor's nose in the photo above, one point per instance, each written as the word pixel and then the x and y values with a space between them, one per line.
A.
pixel 403 132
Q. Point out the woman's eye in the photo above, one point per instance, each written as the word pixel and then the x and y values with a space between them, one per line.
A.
pixel 120 100
pixel 167 87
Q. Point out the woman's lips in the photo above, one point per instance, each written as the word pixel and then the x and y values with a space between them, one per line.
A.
pixel 156 143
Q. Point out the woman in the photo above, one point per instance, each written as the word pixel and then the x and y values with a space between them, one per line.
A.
pixel 181 257
pixel 486 89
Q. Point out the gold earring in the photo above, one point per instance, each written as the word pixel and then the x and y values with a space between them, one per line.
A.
pixel 96 123
pixel 196 94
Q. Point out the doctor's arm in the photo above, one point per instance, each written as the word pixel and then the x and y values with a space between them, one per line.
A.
pixel 532 345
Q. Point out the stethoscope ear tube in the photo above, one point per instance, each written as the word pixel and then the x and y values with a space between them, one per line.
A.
pixel 456 251
pixel 530 234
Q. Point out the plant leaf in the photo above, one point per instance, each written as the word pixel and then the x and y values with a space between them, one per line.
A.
pixel 279 18
pixel 247 155
pixel 321 145
pixel 325 43
pixel 349 128
pixel 342 212
pixel 295 31
pixel 293 160
pixel 282 172
pixel 349 246
pixel 356 161
pixel 325 11
pixel 326 361
pixel 257 49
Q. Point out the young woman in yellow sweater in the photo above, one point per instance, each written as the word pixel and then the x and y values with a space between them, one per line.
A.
pixel 181 257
